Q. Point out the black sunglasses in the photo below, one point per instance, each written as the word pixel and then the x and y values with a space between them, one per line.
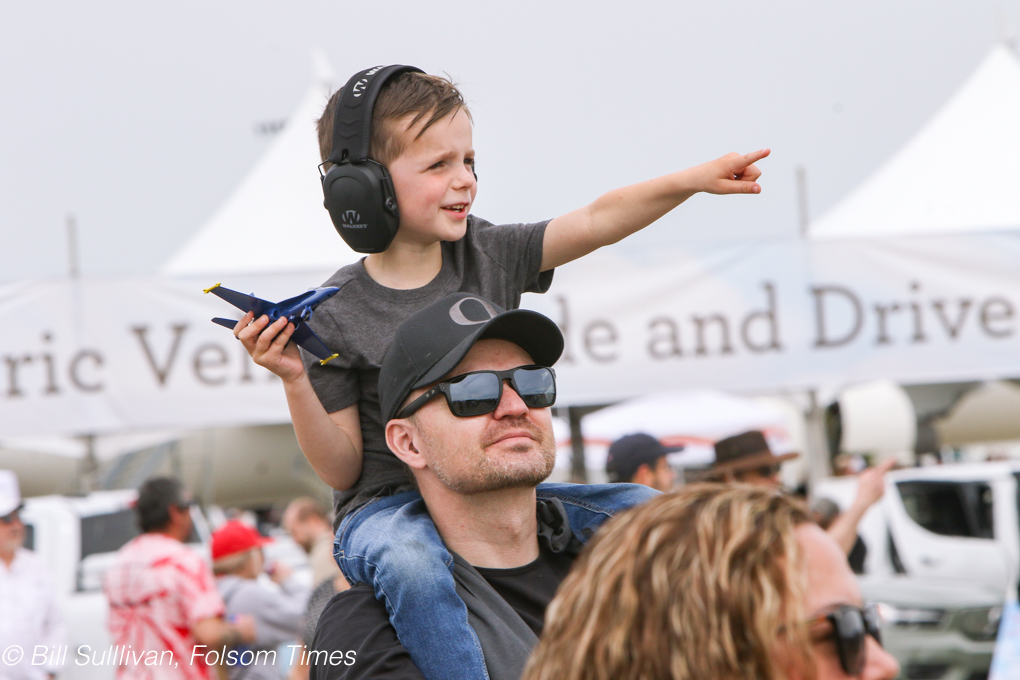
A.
pixel 479 392
pixel 850 628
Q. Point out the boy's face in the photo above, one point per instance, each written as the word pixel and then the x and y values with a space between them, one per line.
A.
pixel 434 181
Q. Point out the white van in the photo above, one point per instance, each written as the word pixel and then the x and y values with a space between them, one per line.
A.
pixel 946 521
pixel 78 538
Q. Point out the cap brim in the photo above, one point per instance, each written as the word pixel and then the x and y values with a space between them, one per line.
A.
pixel 753 461
pixel 534 333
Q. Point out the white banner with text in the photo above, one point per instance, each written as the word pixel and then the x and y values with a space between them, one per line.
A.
pixel 111 355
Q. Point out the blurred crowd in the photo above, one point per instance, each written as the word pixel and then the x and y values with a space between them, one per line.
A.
pixel 241 617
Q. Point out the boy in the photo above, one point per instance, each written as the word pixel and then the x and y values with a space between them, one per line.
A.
pixel 421 131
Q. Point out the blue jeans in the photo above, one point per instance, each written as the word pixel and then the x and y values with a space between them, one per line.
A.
pixel 391 543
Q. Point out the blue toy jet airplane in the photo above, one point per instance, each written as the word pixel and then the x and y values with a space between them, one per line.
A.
pixel 297 310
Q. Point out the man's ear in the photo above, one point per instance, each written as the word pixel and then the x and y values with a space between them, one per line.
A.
pixel 402 439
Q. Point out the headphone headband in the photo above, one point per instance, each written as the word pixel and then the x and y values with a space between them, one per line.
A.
pixel 352 120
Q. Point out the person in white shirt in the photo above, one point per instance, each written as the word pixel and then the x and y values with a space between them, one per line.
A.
pixel 30 620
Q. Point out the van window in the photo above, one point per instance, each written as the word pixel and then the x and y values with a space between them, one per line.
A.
pixel 950 508
pixel 107 533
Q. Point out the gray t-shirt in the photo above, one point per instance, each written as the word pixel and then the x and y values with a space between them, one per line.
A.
pixel 278 619
pixel 498 263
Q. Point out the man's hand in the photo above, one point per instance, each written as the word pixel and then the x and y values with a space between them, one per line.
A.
pixel 871 484
pixel 216 631
pixel 870 488
pixel 269 345
pixel 245 627
pixel 734 173
pixel 279 572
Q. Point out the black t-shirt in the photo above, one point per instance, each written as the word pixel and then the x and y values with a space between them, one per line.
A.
pixel 354 638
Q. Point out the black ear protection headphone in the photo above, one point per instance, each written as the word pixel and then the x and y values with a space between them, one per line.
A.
pixel 358 192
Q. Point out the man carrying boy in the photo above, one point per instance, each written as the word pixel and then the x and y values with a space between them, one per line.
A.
pixel 421 132
pixel 468 409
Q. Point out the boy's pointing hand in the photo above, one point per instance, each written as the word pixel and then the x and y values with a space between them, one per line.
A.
pixel 734 173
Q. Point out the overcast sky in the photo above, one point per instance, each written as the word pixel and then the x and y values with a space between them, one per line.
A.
pixel 141 118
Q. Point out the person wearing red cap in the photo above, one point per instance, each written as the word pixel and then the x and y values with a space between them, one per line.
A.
pixel 237 563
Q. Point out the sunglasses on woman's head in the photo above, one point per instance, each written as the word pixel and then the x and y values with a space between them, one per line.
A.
pixel 850 627
pixel 479 392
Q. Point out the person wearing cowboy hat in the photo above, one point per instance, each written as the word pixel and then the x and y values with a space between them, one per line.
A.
pixel 29 610
pixel 746 458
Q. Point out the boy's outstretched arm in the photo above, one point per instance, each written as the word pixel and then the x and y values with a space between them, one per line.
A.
pixel 330 441
pixel 619 213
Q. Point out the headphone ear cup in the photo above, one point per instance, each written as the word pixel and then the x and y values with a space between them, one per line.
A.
pixel 362 205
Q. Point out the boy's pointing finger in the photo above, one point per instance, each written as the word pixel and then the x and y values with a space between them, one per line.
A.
pixel 756 156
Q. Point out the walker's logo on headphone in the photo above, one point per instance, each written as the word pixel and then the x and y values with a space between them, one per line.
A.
pixel 359 87
pixel 478 308
pixel 351 218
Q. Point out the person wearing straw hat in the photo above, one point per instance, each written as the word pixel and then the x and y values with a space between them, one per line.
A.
pixel 28 608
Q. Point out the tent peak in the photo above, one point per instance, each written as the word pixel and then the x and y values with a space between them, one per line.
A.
pixel 322 69
pixel 965 155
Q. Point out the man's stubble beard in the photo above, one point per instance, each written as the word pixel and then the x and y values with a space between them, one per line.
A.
pixel 472 470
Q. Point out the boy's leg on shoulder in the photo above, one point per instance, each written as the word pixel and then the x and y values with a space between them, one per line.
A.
pixel 589 505
pixel 393 545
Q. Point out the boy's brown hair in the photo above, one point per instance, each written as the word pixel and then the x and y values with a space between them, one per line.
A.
pixel 407 93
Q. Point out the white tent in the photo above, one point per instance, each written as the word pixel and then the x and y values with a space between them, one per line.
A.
pixel 274 221
pixel 956 175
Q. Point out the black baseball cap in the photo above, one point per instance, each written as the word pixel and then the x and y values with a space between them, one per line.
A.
pixel 629 453
pixel 432 341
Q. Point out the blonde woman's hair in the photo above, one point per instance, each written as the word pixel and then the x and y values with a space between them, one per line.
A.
pixel 702 584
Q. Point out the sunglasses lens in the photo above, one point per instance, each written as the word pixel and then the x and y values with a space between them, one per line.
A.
pixel 474 395
pixel 536 386
pixel 850 637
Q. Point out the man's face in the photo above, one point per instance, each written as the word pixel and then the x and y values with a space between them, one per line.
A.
pixel 303 533
pixel 180 516
pixel 433 179
pixel 766 476
pixel 12 533
pixel 663 476
pixel 830 583
pixel 511 447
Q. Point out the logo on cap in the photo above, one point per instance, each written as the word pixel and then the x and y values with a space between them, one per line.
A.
pixel 461 319
pixel 359 87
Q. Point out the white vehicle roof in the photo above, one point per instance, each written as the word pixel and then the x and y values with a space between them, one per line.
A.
pixel 958 472
pixel 96 503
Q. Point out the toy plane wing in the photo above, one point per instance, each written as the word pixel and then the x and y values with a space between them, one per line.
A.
pixel 306 338
pixel 226 323
pixel 246 303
